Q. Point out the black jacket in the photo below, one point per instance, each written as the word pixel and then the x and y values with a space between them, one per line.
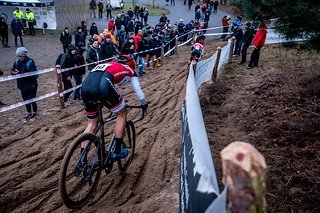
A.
pixel 17 28
pixel 65 38
pixel 27 65
pixel 130 13
pixel 238 34
pixel 67 61
pixel 130 26
pixel 108 50
pixel 94 30
pixel 93 55
pixel 79 37
pixel 118 22
pixel 248 36
pixel 3 28
pixel 142 46
pixel 127 48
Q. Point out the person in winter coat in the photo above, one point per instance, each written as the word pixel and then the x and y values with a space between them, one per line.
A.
pixel 258 41
pixel 111 25
pixel 190 4
pixel 84 29
pixel 27 85
pixel 246 42
pixel 17 30
pixel 118 22
pixel 93 30
pixel 93 7
pixel 153 43
pixel 145 16
pixel 100 8
pixel 137 38
pixel 4 32
pixel 225 27
pixel 128 47
pixel 93 54
pixel 130 13
pixel 109 9
pixel 79 36
pixel 65 39
pixel 143 45
pixel 113 39
pixel 121 36
pixel 136 11
pixel 78 73
pixel 67 60
pixel 137 26
pixel 108 49
pixel 237 35
pixel 130 27
pixel 141 12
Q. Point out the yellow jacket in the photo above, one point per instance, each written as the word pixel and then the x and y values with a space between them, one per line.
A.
pixel 19 14
pixel 30 16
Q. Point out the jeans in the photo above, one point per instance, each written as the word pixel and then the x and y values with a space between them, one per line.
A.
pixel 66 85
pixel 237 48
pixel 244 49
pixel 78 80
pixel 29 94
pixel 141 64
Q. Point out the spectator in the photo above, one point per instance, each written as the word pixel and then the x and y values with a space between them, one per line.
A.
pixel 152 54
pixel 167 2
pixel 118 22
pixel 27 85
pixel 111 25
pixel 141 14
pixel 136 11
pixel 145 16
pixel 130 27
pixel 17 30
pixel 108 9
pixel 215 6
pixel 173 2
pixel 108 49
pixel 79 72
pixel 4 32
pixel 68 60
pixel 17 13
pixel 93 7
pixel 142 46
pixel 196 24
pixel 93 30
pixel 181 30
pixel 237 21
pixel 128 47
pixel 93 55
pixel 138 26
pixel 113 39
pixel 65 39
pixel 197 7
pixel 163 20
pixel 189 4
pixel 225 27
pixel 206 16
pixel 258 41
pixel 100 8
pixel 237 35
pixel 84 29
pixel 30 21
pixel 121 36
pixel 130 13
pixel 246 41
pixel 79 36
pixel 137 38
pixel 197 15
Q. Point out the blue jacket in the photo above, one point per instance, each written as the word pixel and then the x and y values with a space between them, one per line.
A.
pixel 27 65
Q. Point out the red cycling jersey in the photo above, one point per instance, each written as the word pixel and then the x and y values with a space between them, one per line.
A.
pixel 121 73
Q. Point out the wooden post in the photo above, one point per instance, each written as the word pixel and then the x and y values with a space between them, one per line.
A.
pixel 194 37
pixel 215 74
pixel 162 54
pixel 176 46
pixel 231 50
pixel 59 86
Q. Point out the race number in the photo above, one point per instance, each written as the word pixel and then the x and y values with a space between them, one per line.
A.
pixel 101 67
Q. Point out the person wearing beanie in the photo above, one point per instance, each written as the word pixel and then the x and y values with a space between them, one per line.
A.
pixel 27 85
pixel 65 39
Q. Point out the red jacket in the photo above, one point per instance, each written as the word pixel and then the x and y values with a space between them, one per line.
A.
pixel 260 37
pixel 111 26
pixel 137 38
pixel 224 22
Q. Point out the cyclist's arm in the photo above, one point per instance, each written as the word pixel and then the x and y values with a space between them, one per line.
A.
pixel 137 89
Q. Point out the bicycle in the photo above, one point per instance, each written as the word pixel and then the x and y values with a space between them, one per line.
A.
pixel 4 16
pixel 86 166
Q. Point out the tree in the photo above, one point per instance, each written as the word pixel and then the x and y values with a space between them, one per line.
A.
pixel 295 18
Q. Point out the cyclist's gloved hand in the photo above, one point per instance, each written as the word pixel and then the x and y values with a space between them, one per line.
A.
pixel 144 105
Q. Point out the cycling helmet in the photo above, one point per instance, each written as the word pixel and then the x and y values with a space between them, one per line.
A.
pixel 200 39
pixel 127 60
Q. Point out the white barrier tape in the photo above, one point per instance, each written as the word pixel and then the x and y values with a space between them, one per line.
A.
pixel 185 42
pixel 213 34
pixel 27 74
pixel 169 51
pixel 185 34
pixel 69 90
pixel 22 103
pixel 145 51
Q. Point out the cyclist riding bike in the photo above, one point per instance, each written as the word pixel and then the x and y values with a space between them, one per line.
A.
pixel 99 89
pixel 197 50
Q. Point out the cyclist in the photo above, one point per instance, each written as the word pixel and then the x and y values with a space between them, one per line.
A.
pixel 197 49
pixel 98 89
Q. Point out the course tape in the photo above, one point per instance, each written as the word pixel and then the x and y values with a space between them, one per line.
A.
pixel 69 90
pixel 169 51
pixel 27 74
pixel 22 103
pixel 185 42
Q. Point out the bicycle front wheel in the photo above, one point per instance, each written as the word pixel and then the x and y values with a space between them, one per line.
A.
pixel 129 142
pixel 80 170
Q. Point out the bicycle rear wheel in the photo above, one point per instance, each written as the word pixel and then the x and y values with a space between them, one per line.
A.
pixel 80 170
pixel 129 141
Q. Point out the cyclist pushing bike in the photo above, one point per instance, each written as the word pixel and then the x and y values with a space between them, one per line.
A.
pixel 99 89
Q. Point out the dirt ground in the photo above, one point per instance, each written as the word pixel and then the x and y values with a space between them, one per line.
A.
pixel 275 107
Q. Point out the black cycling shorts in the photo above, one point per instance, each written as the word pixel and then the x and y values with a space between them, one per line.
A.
pixel 196 54
pixel 98 90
